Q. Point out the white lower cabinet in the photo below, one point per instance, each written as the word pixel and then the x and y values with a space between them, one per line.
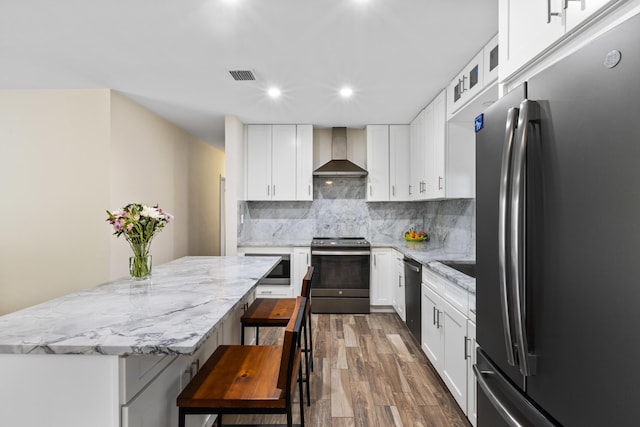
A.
pixel 399 303
pixel 300 260
pixel 382 277
pixel 471 346
pixel 160 380
pixel 232 328
pixel 448 338
pixel 454 363
pixel 431 326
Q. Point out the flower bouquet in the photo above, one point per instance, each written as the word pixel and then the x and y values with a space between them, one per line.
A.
pixel 139 224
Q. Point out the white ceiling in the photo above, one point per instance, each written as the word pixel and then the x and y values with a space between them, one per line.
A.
pixel 172 56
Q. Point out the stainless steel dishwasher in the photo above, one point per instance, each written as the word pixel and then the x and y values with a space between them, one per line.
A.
pixel 412 285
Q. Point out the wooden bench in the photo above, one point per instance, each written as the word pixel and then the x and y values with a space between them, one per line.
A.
pixel 240 379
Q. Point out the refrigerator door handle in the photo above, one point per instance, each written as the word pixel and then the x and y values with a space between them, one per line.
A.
pixel 514 408
pixel 529 112
pixel 503 206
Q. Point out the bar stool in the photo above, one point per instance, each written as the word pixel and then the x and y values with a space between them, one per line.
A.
pixel 272 312
pixel 253 379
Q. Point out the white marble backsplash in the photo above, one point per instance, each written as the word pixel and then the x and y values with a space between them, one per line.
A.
pixel 341 209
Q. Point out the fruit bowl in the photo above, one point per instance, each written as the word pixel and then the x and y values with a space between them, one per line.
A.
pixel 416 237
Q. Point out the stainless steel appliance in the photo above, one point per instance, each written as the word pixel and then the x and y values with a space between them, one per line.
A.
pixel 281 273
pixel 558 207
pixel 413 298
pixel 340 281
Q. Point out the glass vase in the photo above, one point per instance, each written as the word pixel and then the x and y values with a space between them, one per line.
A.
pixel 140 267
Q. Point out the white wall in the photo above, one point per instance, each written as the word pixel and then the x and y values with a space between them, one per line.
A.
pixel 234 167
pixel 54 187
pixel 149 165
pixel 206 166
pixel 68 155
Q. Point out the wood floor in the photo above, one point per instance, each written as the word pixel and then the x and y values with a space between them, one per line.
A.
pixel 369 372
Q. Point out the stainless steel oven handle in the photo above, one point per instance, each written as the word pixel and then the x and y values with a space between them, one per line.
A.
pixel 503 209
pixel 320 252
pixel 529 112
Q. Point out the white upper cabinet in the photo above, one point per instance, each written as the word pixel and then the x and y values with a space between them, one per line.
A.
pixel 467 84
pixel 491 59
pixel 438 150
pixel 578 10
pixel 388 163
pixel 399 163
pixel 427 149
pixel 283 162
pixel 259 162
pixel 528 28
pixel 279 162
pixel 378 163
pixel 304 162
pixel 416 152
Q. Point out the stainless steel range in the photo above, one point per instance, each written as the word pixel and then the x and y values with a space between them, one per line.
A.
pixel 341 274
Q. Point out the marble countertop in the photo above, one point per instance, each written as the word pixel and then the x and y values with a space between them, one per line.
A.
pixel 174 312
pixel 426 253
pixel 279 243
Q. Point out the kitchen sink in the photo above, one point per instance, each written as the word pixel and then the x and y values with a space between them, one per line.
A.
pixel 464 267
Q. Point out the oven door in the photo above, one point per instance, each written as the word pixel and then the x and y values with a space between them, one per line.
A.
pixel 340 273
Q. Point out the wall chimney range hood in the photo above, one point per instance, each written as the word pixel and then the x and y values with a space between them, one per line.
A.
pixel 339 165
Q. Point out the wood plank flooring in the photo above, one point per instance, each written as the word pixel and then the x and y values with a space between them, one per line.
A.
pixel 369 372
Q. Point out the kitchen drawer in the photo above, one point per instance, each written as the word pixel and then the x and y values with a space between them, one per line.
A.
pixel 457 297
pixel 137 371
pixel 433 280
pixel 273 291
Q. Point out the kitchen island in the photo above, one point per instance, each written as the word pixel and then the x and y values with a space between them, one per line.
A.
pixel 119 354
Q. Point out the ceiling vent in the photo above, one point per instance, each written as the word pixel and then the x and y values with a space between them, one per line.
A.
pixel 242 75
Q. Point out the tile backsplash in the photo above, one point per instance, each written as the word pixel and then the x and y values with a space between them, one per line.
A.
pixel 341 209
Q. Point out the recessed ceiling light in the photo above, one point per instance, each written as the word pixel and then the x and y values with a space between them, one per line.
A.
pixel 346 92
pixel 274 92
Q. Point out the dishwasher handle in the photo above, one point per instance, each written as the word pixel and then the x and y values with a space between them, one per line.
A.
pixel 411 266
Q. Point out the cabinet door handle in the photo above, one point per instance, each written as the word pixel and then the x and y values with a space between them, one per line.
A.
pixel 566 3
pixel 410 189
pixel 461 82
pixel 393 190
pixel 399 281
pixel 549 13
pixel 268 190
pixel 434 315
pixel 195 367
pixel 438 319
pixel 440 183
pixel 466 356
pixel 309 189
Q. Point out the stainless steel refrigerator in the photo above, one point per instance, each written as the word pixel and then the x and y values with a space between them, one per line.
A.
pixel 558 243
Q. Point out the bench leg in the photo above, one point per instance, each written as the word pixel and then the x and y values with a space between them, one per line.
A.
pixel 181 418
pixel 257 335
pixel 219 420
